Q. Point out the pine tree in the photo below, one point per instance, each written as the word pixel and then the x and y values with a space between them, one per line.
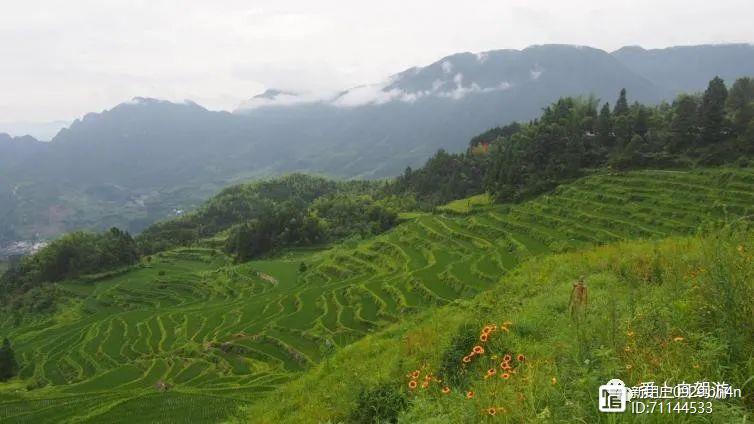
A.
pixel 621 106
pixel 640 119
pixel 712 111
pixel 741 103
pixel 683 124
pixel 605 125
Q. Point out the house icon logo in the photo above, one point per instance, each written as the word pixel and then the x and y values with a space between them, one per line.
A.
pixel 613 396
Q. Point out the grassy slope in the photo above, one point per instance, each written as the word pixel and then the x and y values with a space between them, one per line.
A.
pixel 224 335
pixel 658 311
pixel 467 205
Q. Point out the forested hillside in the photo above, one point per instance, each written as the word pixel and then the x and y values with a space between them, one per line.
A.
pixel 577 135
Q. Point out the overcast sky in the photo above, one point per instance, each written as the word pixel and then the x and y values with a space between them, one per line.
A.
pixel 61 59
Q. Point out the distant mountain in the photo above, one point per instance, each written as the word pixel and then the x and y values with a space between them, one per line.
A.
pixel 16 151
pixel 142 159
pixel 43 131
pixel 688 68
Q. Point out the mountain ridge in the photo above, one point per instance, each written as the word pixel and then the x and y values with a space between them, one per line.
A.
pixel 163 150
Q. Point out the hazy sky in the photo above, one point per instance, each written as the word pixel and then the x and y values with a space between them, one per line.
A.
pixel 61 59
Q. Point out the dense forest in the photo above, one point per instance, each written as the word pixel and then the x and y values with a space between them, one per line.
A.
pixel 294 210
pixel 70 256
pixel 576 135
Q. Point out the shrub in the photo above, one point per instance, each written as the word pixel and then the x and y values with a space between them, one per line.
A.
pixel 381 404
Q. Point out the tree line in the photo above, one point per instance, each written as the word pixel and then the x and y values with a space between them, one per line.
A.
pixel 329 218
pixel 70 256
pixel 576 135
pixel 289 211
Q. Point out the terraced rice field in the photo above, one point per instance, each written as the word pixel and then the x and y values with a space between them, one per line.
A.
pixel 188 337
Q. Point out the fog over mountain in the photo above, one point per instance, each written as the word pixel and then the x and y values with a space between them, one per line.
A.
pixel 143 159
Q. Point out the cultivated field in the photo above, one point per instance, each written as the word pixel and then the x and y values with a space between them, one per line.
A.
pixel 188 336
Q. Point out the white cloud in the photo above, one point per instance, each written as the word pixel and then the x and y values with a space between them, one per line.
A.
pixel 460 91
pixel 447 66
pixel 282 99
pixel 371 94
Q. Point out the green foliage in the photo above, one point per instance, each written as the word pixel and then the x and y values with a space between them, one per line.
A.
pixel 740 103
pixel 683 125
pixel 343 215
pixel 712 112
pixel 621 105
pixel 285 224
pixel 271 212
pixel 541 155
pixel 493 134
pixel 450 369
pixel 70 256
pixel 329 218
pixel 467 205
pixel 382 404
pixel 443 178
pixel 643 322
pixel 8 364
pixel 571 139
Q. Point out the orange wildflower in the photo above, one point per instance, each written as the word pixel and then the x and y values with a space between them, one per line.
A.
pixel 469 394
pixel 507 358
pixel 491 371
pixel 415 374
pixel 446 390
pixel 505 376
pixel 483 337
pixel 467 359
pixel 478 350
pixel 412 384
pixel 491 411
pixel 425 384
pixel 520 357
pixel 505 365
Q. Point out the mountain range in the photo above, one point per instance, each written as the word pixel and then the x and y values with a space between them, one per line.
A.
pixel 146 159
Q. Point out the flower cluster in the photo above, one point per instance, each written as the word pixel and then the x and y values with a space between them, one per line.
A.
pixel 495 365
pixel 415 376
